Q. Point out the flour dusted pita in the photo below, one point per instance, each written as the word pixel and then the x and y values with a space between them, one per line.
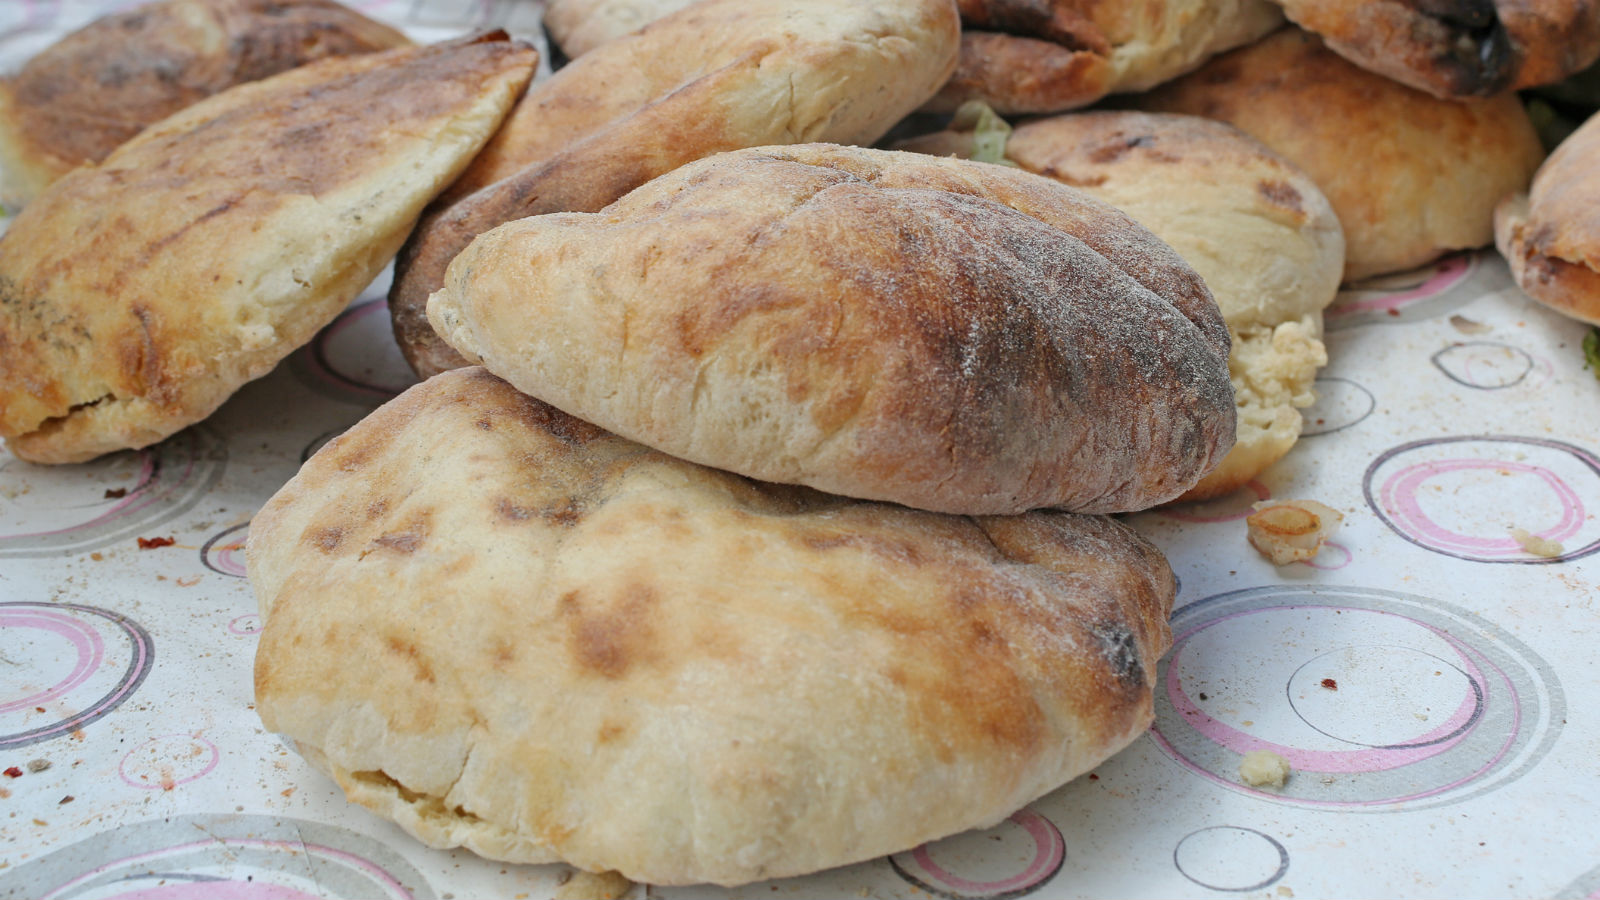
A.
pixel 512 632
pixel 89 92
pixel 949 335
pixel 1551 234
pixel 720 75
pixel 137 295
pixel 1412 177
pixel 1252 224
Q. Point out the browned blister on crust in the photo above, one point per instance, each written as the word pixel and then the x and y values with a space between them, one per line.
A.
pixel 80 98
pixel 1551 235
pixel 1411 177
pixel 137 295
pixel 720 75
pixel 1458 48
pixel 510 631
pixel 948 335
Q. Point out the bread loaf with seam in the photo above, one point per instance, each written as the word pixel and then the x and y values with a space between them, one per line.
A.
pixel 509 631
pixel 949 335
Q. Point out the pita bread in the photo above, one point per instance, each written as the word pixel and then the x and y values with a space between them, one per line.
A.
pixel 948 335
pixel 1253 225
pixel 137 295
pixel 1458 48
pixel 91 91
pixel 509 631
pixel 1038 56
pixel 720 75
pixel 1551 235
pixel 1412 177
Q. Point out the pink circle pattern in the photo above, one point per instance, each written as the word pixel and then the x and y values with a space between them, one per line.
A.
pixel 1507 720
pixel 80 626
pixel 920 868
pixel 1392 491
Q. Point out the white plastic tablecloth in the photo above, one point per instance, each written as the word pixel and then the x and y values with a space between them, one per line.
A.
pixel 1426 676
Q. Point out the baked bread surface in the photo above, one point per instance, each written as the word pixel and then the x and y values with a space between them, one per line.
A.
pixel 509 631
pixel 949 335
pixel 137 295
pixel 720 75
pixel 1253 225
pixel 78 99
pixel 1551 234
pixel 1412 177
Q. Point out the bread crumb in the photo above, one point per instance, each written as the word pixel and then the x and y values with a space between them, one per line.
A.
pixel 1263 768
pixel 1286 531
pixel 594 886
pixel 1536 545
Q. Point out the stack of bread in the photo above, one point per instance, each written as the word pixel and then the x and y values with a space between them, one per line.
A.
pixel 754 518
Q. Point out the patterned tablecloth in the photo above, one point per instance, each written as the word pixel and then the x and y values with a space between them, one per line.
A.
pixel 1424 675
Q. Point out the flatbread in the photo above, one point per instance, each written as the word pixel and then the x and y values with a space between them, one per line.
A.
pixel 86 94
pixel 1252 224
pixel 509 631
pixel 578 26
pixel 137 295
pixel 1412 177
pixel 720 75
pixel 949 335
pixel 1458 48
pixel 1551 235
pixel 1039 56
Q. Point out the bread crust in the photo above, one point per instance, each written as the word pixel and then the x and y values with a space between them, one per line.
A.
pixel 1551 235
pixel 1252 224
pixel 1458 48
pixel 1411 177
pixel 510 631
pixel 578 26
pixel 718 76
pixel 1039 56
pixel 80 98
pixel 137 295
pixel 948 335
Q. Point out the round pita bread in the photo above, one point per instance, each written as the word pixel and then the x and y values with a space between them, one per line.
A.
pixel 949 335
pixel 510 631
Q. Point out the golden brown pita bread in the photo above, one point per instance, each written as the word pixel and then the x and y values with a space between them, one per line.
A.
pixel 89 92
pixel 1252 224
pixel 1458 48
pixel 1037 56
pixel 510 631
pixel 948 335
pixel 1411 176
pixel 720 75
pixel 137 295
pixel 1551 235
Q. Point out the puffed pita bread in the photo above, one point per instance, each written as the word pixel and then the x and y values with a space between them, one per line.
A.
pixel 1038 56
pixel 509 631
pixel 948 335
pixel 720 75
pixel 1253 225
pixel 137 295
pixel 1412 177
pixel 1551 235
pixel 86 94
pixel 1458 48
